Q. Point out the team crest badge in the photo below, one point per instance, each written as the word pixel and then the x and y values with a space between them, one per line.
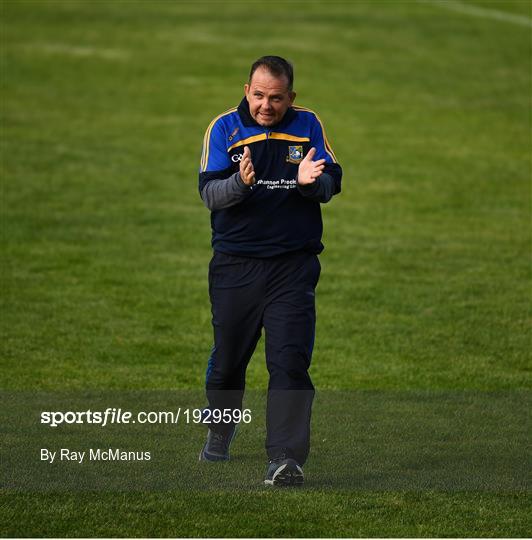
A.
pixel 295 154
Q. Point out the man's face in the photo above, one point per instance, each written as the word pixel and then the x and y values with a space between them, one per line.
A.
pixel 268 97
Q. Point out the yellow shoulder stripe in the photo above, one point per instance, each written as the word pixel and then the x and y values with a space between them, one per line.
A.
pixel 328 148
pixel 263 137
pixel 288 137
pixel 249 140
pixel 207 139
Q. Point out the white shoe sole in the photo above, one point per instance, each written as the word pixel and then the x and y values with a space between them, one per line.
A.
pixel 286 476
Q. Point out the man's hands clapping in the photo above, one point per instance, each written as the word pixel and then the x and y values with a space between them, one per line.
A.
pixel 307 173
pixel 247 172
pixel 309 170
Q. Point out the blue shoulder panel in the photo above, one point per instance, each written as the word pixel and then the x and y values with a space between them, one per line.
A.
pixel 318 138
pixel 214 156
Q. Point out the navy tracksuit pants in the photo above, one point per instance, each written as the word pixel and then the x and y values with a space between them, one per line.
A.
pixel 277 294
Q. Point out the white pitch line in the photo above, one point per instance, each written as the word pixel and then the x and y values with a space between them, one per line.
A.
pixel 486 13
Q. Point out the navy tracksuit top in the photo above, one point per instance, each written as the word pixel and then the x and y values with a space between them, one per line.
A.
pixel 274 217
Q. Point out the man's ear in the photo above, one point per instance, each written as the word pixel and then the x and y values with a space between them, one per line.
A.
pixel 246 89
pixel 292 97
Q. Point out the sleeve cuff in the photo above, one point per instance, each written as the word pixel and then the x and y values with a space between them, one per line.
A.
pixel 240 183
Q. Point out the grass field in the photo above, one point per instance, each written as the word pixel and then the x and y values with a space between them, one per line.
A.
pixel 425 281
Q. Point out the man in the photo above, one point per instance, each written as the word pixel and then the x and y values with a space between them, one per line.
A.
pixel 265 168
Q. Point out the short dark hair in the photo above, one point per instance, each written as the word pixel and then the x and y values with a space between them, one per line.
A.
pixel 277 66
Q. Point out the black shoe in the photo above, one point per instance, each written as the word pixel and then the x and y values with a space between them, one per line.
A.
pixel 284 471
pixel 217 446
